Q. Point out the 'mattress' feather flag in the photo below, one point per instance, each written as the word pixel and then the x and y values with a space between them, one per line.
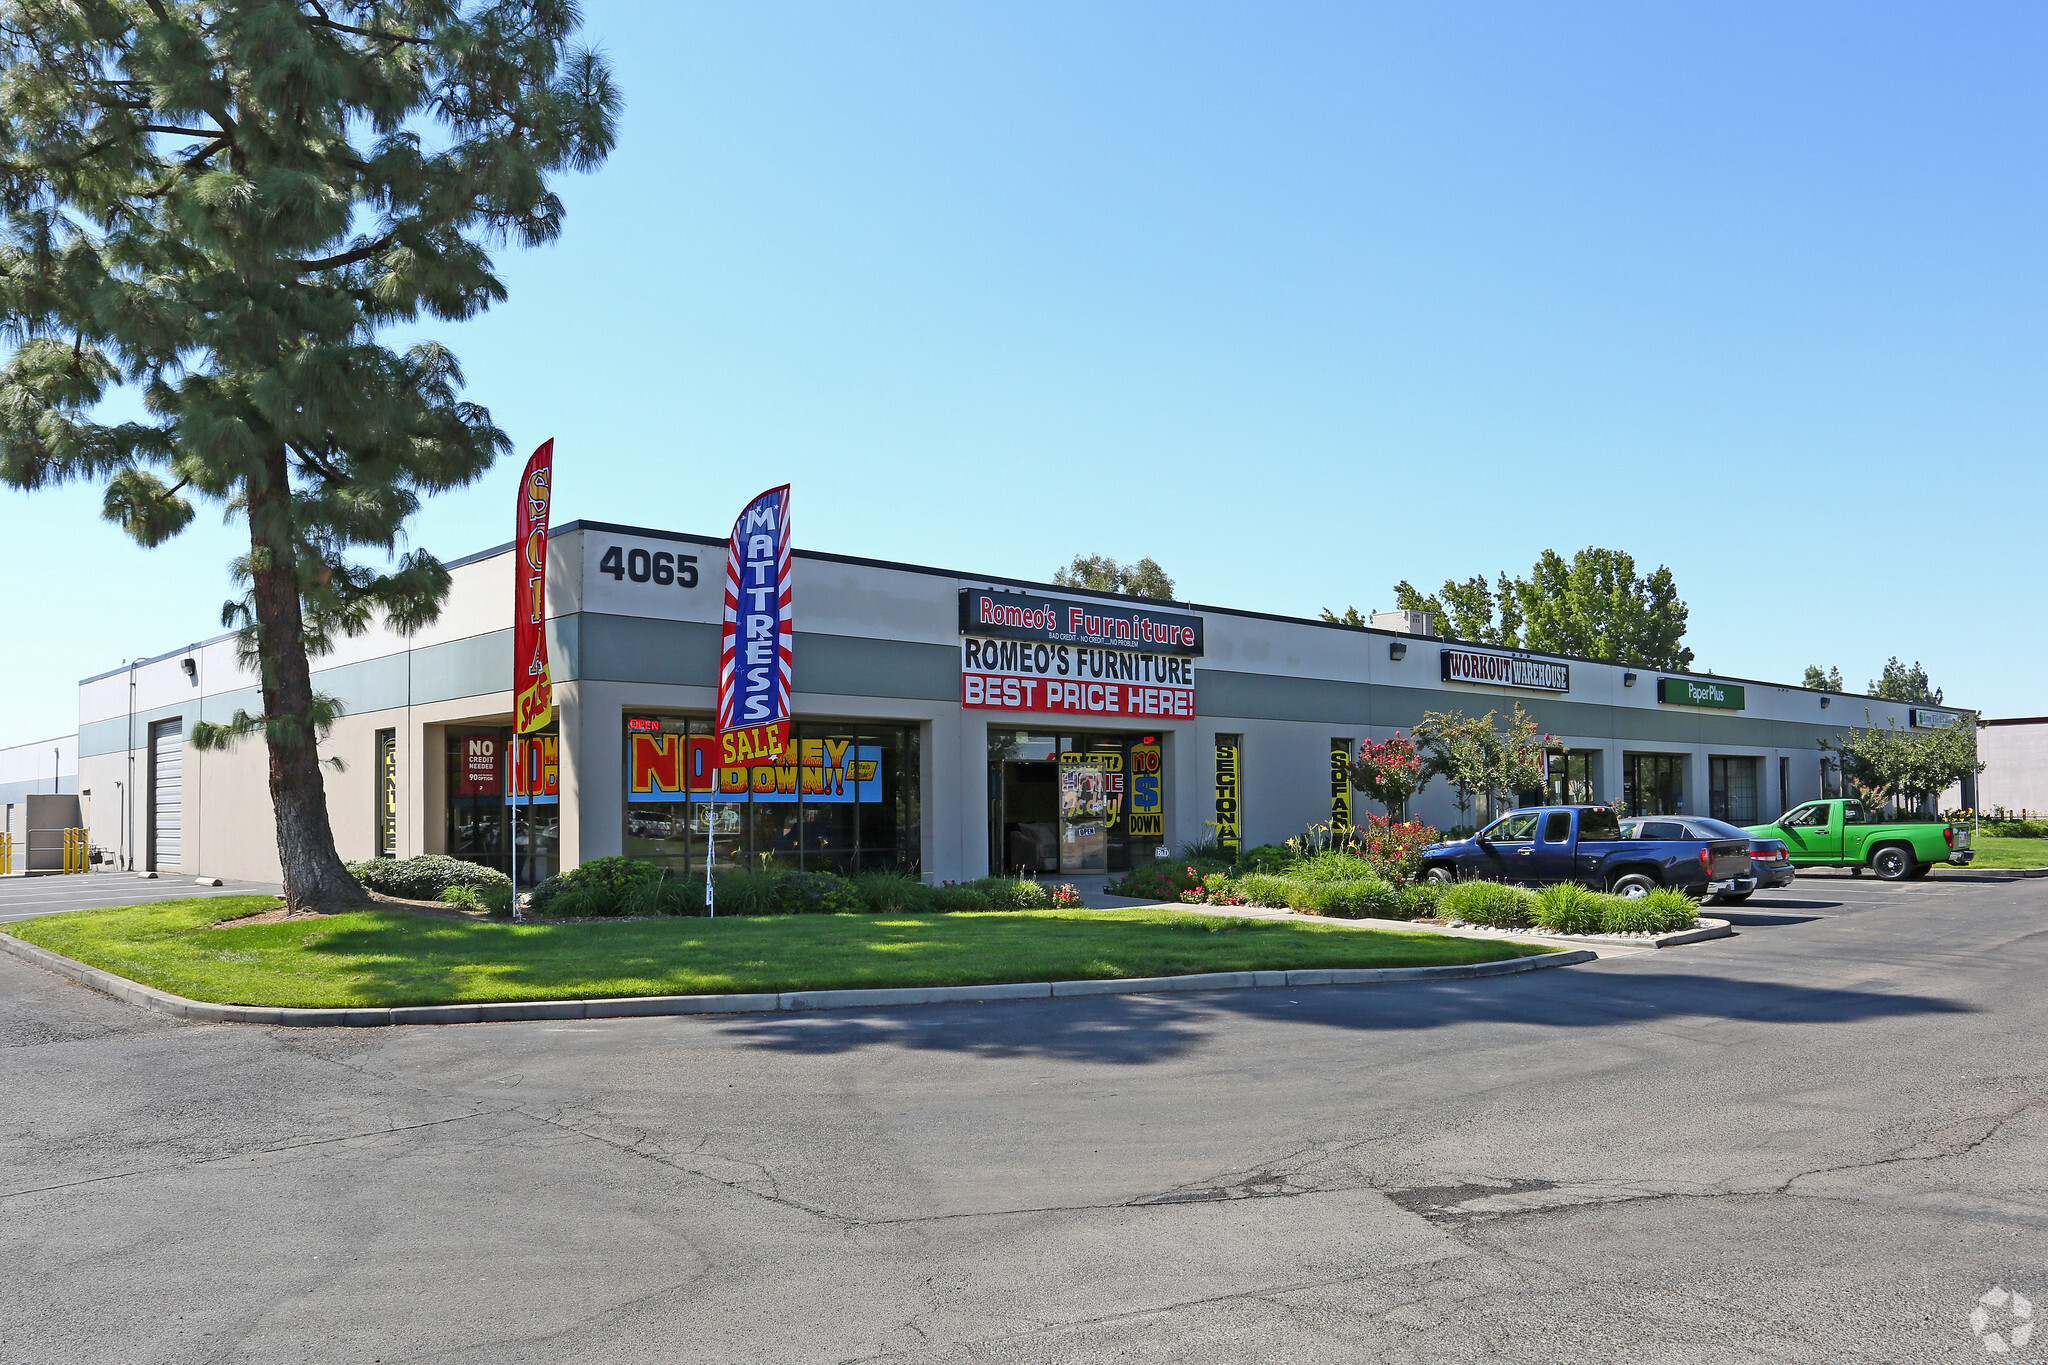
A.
pixel 533 693
pixel 755 653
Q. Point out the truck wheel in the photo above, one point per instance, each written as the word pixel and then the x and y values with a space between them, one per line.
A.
pixel 1892 862
pixel 1920 870
pixel 1634 886
pixel 1439 874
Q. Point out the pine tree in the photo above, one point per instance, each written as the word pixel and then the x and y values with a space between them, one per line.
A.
pixel 217 207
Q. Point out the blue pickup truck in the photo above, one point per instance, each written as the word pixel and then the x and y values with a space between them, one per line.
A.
pixel 1586 844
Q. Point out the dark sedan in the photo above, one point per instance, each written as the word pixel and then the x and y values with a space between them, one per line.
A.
pixel 1769 859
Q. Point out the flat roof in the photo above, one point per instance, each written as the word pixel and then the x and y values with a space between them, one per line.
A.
pixel 1036 585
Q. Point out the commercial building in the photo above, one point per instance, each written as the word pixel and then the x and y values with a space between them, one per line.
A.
pixel 945 722
pixel 2014 751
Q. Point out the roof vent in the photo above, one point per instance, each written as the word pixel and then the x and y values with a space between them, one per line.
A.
pixel 1404 622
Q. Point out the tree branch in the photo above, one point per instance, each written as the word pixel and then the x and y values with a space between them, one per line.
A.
pixel 319 18
pixel 361 253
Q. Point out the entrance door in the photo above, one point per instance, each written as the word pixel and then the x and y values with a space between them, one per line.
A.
pixel 1088 807
pixel 166 795
pixel 1031 817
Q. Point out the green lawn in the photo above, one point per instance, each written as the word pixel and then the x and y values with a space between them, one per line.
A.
pixel 2010 852
pixel 383 957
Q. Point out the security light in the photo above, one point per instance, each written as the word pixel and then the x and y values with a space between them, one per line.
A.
pixel 1628 680
pixel 191 667
pixel 1397 651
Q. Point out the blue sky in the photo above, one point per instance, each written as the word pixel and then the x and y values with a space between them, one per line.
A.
pixel 1298 300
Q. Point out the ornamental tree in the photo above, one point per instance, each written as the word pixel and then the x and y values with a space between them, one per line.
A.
pixel 1389 772
pixel 1892 764
pixel 1483 756
pixel 217 208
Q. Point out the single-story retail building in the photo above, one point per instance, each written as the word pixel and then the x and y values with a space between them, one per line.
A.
pixel 946 722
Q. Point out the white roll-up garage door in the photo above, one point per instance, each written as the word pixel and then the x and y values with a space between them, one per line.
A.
pixel 166 795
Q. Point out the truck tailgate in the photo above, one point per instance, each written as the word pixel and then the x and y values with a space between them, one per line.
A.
pixel 1729 858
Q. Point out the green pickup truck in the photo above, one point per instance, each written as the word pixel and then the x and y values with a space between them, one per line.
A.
pixel 1850 834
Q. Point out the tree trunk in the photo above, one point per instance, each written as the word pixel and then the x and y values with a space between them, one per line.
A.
pixel 314 877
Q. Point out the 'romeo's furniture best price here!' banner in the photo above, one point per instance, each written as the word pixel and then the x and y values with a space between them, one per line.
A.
pixel 1012 675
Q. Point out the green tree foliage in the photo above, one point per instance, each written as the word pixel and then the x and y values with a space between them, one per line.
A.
pixel 1389 772
pixel 1350 616
pixel 1483 756
pixel 1471 610
pixel 218 207
pixel 1594 607
pixel 1830 681
pixel 1103 574
pixel 1894 764
pixel 1901 683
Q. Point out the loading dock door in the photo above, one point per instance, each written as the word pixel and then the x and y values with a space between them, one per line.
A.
pixel 166 795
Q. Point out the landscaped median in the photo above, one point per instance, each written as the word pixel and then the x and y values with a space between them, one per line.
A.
pixel 384 958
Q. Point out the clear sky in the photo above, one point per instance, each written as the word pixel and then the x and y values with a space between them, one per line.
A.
pixel 1299 300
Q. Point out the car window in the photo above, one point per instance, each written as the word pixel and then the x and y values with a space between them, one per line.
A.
pixel 1715 829
pixel 1664 829
pixel 1557 827
pixel 1599 823
pixel 1516 828
pixel 1806 817
pixel 1856 813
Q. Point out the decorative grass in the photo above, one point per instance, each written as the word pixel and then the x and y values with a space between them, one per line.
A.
pixel 381 957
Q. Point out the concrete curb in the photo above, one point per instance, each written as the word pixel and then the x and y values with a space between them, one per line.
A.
pixel 199 1011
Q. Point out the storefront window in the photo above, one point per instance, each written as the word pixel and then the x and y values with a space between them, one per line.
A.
pixel 848 802
pixel 1731 790
pixel 487 801
pixel 1570 777
pixel 1653 784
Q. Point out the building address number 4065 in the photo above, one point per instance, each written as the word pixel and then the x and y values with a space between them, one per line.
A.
pixel 661 567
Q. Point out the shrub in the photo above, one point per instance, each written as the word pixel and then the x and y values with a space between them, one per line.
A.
pixel 1487 903
pixel 1265 858
pixel 663 894
pixel 1393 849
pixel 1012 893
pixel 2016 829
pixel 815 893
pixel 1162 880
pixel 893 893
pixel 1263 888
pixel 425 877
pixel 496 900
pixel 1569 908
pixel 1421 900
pixel 1065 894
pixel 599 885
pixel 951 899
pixel 1665 910
pixel 1325 868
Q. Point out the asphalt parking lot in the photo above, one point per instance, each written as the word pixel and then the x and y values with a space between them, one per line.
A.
pixel 1821 1140
pixel 27 897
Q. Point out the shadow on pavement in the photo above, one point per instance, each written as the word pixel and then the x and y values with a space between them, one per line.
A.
pixel 1134 1029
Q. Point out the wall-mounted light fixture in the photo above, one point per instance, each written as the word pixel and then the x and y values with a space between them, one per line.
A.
pixel 1397 651
pixel 191 667
pixel 1825 702
pixel 1628 680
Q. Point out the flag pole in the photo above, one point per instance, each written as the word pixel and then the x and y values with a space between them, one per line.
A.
pixel 512 801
